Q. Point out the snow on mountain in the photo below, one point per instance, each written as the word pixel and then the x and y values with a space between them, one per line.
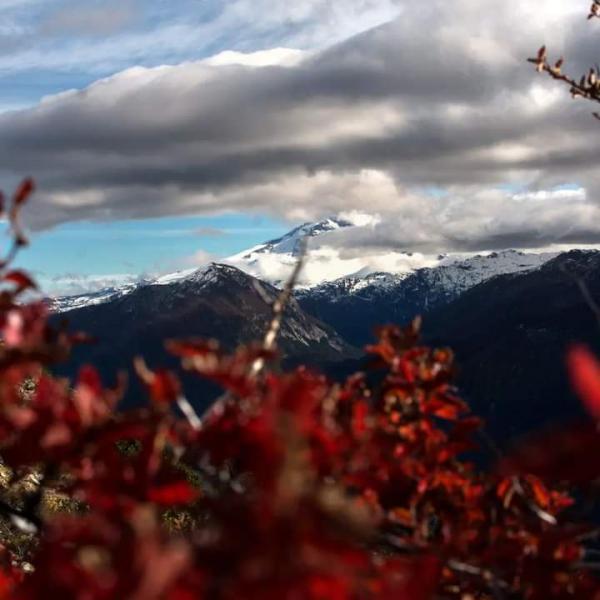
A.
pixel 202 275
pixel 452 274
pixel 218 301
pixel 290 243
pixel 331 270
pixel 67 303
pixel 355 306
pixel 273 261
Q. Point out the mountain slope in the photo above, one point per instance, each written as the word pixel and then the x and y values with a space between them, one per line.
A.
pixel 216 302
pixel 511 334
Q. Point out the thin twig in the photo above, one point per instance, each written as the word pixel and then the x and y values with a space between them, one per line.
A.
pixel 588 536
pixel 270 339
pixel 497 586
pixel 148 377
pixel 533 506
pixel 587 87
pixel 279 306
pixel 188 411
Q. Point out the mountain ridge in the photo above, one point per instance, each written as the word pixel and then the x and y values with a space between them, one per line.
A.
pixel 280 255
pixel 219 302
pixel 354 306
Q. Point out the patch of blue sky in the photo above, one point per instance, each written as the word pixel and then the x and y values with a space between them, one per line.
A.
pixel 522 188
pixel 435 192
pixel 48 46
pixel 150 246
pixel 512 188
pixel 567 187
pixel 36 62
pixel 23 90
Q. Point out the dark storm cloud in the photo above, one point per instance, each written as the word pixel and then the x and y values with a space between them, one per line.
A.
pixel 440 98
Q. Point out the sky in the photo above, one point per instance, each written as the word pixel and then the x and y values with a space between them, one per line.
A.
pixel 163 134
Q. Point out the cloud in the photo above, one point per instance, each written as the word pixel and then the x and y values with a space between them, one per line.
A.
pixel 373 123
pixel 94 18
pixel 105 36
pixel 488 219
pixel 210 232
pixel 73 284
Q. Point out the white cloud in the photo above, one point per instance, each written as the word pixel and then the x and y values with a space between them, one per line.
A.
pixel 105 36
pixel 73 284
pixel 262 58
pixel 326 263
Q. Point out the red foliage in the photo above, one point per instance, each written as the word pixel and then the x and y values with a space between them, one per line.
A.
pixel 585 374
pixel 293 487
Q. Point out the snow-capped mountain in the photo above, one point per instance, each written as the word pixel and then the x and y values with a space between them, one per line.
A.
pixel 329 255
pixel 66 303
pixel 217 302
pixel 275 259
pixel 291 242
pixel 330 271
pixel 283 252
pixel 355 305
pixel 452 274
pixel 354 271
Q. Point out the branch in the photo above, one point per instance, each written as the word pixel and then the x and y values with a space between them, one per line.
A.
pixel 588 86
pixel 279 307
pixel 533 506
pixel 189 413
pixel 270 339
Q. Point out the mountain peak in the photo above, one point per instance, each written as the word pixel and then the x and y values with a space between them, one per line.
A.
pixel 290 243
pixel 219 272
pixel 576 262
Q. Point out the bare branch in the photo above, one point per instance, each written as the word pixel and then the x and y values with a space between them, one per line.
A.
pixel 533 506
pixel 279 307
pixel 588 85
pixel 270 339
pixel 190 414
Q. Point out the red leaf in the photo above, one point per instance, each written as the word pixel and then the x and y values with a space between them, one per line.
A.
pixel 164 386
pixel 584 370
pixel 359 418
pixel 23 192
pixel 540 493
pixel 175 493
pixel 21 279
